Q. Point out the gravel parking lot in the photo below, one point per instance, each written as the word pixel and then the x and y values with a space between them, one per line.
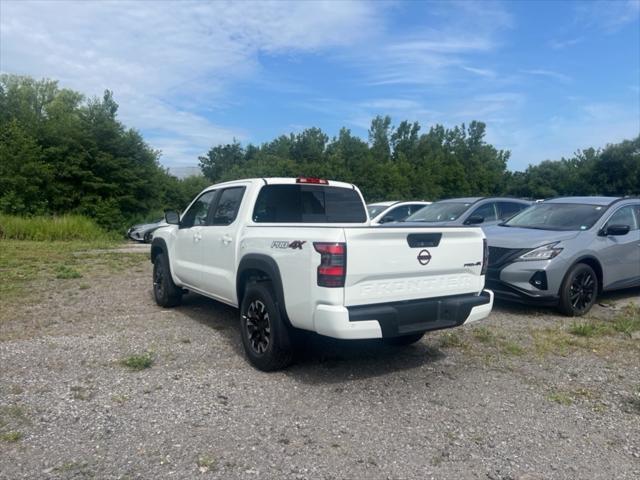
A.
pixel 98 382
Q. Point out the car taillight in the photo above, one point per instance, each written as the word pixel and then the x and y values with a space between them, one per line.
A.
pixel 333 264
pixel 485 257
pixel 318 181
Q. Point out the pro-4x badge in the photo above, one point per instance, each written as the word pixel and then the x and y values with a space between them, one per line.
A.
pixel 297 244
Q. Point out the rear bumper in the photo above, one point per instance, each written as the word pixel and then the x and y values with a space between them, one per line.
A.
pixel 401 318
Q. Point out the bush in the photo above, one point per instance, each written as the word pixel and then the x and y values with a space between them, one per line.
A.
pixel 45 228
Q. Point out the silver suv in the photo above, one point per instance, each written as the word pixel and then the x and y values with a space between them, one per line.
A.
pixel 476 211
pixel 565 251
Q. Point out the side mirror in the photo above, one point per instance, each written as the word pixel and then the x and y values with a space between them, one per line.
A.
pixel 474 220
pixel 616 230
pixel 386 219
pixel 172 217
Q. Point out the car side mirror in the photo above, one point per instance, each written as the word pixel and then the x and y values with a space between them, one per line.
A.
pixel 616 230
pixel 172 217
pixel 386 219
pixel 474 220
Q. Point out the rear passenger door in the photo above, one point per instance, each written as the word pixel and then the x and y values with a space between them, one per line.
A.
pixel 220 246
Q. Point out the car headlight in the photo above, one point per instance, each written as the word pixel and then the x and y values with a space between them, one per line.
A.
pixel 545 252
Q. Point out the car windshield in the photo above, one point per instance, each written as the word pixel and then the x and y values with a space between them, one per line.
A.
pixel 557 216
pixel 439 212
pixel 375 209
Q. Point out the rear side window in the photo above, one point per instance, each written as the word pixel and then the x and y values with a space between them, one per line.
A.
pixel 227 206
pixel 308 204
pixel 509 209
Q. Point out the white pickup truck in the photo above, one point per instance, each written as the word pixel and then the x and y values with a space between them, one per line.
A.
pixel 299 253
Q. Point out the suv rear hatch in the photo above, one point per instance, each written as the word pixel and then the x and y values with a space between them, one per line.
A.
pixel 398 264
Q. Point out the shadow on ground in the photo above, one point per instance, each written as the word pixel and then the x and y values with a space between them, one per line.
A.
pixel 319 359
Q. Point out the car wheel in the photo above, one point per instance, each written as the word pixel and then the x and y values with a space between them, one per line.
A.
pixel 403 340
pixel 265 336
pixel 165 292
pixel 578 291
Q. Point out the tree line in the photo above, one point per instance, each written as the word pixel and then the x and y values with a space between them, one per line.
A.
pixel 61 152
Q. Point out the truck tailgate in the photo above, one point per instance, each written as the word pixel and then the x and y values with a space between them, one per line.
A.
pixel 397 264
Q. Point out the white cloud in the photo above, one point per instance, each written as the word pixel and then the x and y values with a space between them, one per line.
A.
pixel 606 15
pixel 167 61
pixel 561 77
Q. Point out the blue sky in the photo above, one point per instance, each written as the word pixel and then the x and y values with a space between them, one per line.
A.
pixel 548 77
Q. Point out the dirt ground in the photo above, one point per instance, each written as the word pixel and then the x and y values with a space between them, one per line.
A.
pixel 98 382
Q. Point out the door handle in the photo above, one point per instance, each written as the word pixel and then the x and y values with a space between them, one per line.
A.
pixel 226 239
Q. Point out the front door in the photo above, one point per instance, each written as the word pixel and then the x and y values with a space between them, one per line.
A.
pixel 189 240
pixel 220 246
pixel 620 254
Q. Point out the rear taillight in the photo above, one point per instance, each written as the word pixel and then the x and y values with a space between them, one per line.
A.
pixel 485 257
pixel 333 264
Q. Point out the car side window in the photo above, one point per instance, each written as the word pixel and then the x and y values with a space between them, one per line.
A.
pixel 199 210
pixel 413 208
pixel 396 214
pixel 486 211
pixel 226 209
pixel 624 216
pixel 509 209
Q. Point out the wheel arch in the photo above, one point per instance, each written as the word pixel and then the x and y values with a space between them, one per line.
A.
pixel 595 265
pixel 158 245
pixel 261 268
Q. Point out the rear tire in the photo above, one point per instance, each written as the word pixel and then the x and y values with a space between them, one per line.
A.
pixel 265 336
pixel 404 340
pixel 579 290
pixel 166 293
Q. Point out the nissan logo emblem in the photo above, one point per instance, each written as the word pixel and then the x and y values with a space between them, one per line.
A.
pixel 424 257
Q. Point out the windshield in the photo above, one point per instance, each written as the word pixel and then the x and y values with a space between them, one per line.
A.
pixel 374 209
pixel 557 216
pixel 439 212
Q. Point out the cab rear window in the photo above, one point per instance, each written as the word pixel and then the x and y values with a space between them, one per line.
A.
pixel 308 204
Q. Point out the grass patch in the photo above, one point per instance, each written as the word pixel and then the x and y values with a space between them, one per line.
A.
pixel 451 340
pixel 206 463
pixel 510 347
pixel 562 398
pixel 57 228
pixel 28 268
pixel 587 329
pixel 11 437
pixel 484 335
pixel 66 272
pixel 628 320
pixel 138 362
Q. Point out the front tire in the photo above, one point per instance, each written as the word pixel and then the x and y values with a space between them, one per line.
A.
pixel 265 336
pixel 166 293
pixel 579 290
pixel 403 340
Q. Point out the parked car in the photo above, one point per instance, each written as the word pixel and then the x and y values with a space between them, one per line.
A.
pixel 384 212
pixel 565 251
pixel 299 254
pixel 481 211
pixel 144 231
